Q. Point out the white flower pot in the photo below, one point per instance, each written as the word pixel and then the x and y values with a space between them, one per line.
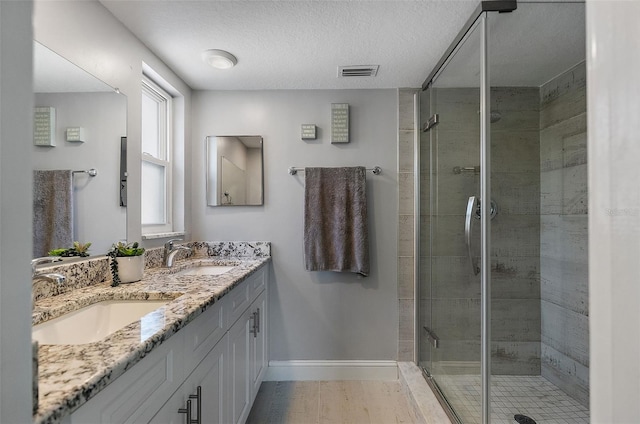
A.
pixel 130 268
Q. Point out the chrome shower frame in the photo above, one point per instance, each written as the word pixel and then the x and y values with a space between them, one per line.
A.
pixel 477 19
pixel 485 221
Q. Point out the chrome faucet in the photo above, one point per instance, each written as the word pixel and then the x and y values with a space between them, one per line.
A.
pixel 171 250
pixel 56 278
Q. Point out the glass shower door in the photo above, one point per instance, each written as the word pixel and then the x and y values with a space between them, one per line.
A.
pixel 450 333
pixel 506 331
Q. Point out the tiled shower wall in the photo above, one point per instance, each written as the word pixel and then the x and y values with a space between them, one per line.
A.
pixel 515 235
pixel 455 290
pixel 405 223
pixel 563 233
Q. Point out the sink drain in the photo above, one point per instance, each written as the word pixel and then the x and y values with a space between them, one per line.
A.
pixel 523 419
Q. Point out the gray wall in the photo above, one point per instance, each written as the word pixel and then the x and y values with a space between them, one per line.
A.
pixel 318 315
pixel 16 126
pixel 98 216
pixel 563 233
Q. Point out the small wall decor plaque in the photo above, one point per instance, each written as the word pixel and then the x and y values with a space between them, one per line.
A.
pixel 308 131
pixel 339 122
pixel 76 134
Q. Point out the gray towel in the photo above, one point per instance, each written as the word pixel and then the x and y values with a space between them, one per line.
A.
pixel 335 220
pixel 52 211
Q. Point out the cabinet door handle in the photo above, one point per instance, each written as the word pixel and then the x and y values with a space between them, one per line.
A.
pixel 258 321
pixel 187 411
pixel 254 329
pixel 198 398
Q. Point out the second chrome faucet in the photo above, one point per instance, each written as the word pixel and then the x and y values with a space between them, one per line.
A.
pixel 171 250
pixel 56 278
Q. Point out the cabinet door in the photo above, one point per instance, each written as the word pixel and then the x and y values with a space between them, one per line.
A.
pixel 169 414
pixel 136 395
pixel 239 375
pixel 258 344
pixel 213 400
pixel 210 377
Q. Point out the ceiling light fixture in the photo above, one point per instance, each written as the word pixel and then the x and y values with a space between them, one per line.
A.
pixel 219 59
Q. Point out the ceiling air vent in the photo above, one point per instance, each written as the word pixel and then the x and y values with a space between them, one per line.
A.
pixel 358 71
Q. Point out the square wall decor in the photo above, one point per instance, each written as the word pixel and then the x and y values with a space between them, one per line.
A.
pixel 308 131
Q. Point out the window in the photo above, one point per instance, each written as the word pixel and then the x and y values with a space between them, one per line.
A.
pixel 156 159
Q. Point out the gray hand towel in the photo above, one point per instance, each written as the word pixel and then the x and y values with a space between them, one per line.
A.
pixel 335 220
pixel 52 211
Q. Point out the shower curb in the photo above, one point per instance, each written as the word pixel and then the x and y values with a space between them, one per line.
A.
pixel 425 405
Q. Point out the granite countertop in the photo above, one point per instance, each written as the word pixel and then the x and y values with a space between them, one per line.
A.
pixel 69 375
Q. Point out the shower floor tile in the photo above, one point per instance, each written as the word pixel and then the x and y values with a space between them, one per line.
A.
pixel 533 396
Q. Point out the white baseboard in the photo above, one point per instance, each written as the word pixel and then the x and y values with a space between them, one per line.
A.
pixel 331 370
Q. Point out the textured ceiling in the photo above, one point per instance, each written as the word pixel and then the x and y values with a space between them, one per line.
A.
pixel 300 44
pixel 296 44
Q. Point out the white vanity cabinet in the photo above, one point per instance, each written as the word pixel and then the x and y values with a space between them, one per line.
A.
pixel 216 362
pixel 248 359
pixel 230 375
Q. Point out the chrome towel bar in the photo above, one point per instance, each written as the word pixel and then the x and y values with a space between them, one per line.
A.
pixel 92 172
pixel 376 170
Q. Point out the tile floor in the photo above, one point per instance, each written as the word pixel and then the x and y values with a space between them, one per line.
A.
pixel 533 396
pixel 331 402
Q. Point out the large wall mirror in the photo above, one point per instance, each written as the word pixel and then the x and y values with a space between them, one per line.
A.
pixel 79 100
pixel 234 170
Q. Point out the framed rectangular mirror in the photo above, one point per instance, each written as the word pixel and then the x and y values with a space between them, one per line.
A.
pixel 80 100
pixel 234 170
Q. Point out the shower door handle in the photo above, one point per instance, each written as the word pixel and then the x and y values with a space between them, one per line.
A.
pixel 472 206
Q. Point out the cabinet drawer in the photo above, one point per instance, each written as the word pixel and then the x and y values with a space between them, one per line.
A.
pixel 257 283
pixel 204 333
pixel 237 301
pixel 138 394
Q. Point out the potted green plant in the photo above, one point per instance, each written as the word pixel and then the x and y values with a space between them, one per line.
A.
pixel 78 250
pixel 127 262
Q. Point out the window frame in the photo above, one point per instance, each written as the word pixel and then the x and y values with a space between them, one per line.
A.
pixel 165 132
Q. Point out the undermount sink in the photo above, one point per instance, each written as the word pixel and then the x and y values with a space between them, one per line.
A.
pixel 206 270
pixel 95 322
